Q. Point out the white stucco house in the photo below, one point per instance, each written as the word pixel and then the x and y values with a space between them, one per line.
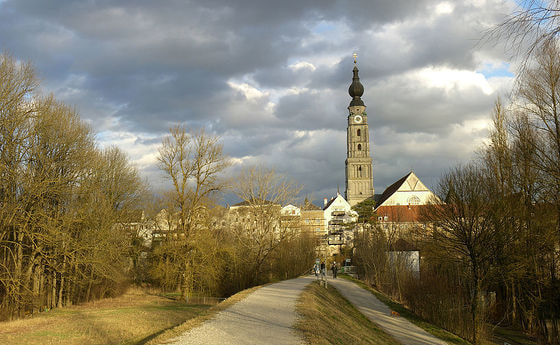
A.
pixel 338 205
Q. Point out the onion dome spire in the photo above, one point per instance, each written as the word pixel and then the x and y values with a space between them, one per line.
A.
pixel 356 89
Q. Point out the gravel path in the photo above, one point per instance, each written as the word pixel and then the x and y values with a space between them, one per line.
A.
pixel 266 316
pixel 400 328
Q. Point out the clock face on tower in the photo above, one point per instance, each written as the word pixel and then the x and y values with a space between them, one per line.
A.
pixel 358 119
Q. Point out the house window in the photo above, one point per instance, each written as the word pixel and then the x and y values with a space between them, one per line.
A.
pixel 359 147
pixel 413 200
pixel 359 132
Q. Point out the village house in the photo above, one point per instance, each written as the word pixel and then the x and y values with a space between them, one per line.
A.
pixel 400 207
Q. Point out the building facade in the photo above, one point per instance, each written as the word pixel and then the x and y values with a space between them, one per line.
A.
pixel 400 207
pixel 313 220
pixel 339 218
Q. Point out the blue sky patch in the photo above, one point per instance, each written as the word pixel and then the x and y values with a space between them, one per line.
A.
pixel 496 70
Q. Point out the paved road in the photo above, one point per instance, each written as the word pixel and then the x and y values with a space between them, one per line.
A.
pixel 266 316
pixel 400 328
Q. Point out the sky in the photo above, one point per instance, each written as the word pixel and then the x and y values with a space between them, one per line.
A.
pixel 271 78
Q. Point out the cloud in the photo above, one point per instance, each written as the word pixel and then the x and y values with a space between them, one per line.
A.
pixel 271 78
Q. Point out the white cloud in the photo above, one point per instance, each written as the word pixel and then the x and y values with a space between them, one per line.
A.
pixel 141 154
pixel 302 65
pixel 250 92
pixel 444 7
pixel 453 80
pixel 241 160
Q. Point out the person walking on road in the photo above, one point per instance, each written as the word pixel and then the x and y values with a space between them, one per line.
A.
pixel 334 269
pixel 323 272
pixel 316 270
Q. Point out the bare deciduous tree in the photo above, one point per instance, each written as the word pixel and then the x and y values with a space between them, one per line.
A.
pixel 263 228
pixel 60 201
pixel 464 230
pixel 194 163
pixel 535 23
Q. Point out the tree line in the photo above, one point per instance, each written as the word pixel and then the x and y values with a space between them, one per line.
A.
pixel 60 196
pixel 69 212
pixel 215 251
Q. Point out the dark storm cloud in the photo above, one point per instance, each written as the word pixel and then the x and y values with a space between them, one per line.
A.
pixel 232 67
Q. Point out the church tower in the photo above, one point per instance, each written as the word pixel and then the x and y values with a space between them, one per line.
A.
pixel 359 172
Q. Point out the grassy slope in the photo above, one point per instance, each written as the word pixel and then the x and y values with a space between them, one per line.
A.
pixel 129 319
pixel 504 335
pixel 410 316
pixel 500 335
pixel 327 318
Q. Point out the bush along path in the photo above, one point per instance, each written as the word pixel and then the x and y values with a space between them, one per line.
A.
pixel 400 328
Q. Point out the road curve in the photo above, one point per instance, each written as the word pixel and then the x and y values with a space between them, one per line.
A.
pixel 266 316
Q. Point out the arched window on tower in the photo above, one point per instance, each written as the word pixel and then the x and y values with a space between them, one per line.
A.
pixel 359 171
pixel 359 147
pixel 359 132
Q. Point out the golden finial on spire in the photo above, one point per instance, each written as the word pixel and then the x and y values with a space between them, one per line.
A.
pixel 355 55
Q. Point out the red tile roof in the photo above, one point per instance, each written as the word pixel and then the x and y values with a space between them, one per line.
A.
pixel 400 213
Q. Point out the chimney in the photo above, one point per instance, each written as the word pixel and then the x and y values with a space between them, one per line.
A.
pixel 325 202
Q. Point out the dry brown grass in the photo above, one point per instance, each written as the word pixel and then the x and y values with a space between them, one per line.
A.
pixel 327 318
pixel 132 318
